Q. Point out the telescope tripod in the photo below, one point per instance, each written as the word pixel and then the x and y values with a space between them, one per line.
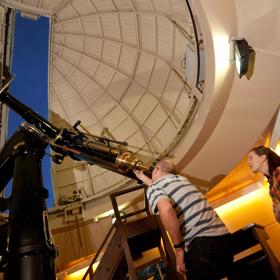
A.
pixel 30 252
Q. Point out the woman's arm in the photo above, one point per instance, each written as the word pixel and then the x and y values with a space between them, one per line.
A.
pixel 276 202
pixel 276 211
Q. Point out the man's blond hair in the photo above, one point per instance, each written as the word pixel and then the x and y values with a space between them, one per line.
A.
pixel 166 166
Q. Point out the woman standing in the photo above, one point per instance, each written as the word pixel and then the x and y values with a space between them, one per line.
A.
pixel 264 160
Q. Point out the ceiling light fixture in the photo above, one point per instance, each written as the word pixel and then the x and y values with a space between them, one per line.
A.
pixel 239 53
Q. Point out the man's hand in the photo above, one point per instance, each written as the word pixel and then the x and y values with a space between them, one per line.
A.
pixel 142 177
pixel 180 263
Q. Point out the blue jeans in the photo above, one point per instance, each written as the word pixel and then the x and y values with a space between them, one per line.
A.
pixel 209 258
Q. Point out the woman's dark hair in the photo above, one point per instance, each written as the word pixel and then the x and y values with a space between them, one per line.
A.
pixel 273 159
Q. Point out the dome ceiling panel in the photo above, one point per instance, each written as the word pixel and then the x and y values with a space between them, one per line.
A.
pixel 127 60
pixel 93 47
pixel 123 5
pixel 118 86
pixel 111 52
pixel 144 67
pixel 66 12
pixel 59 114
pixel 110 26
pixel 138 141
pixel 155 119
pixel 63 67
pixel 164 38
pixel 166 138
pixel 143 5
pixel 52 5
pixel 72 26
pixel 104 75
pixel 73 44
pixel 78 80
pixel 71 56
pixel 161 73
pixel 179 8
pixel 147 32
pixel 65 92
pixel 132 96
pixel 162 6
pixel 83 7
pixel 88 65
pixel 103 105
pixel 91 92
pixel 126 129
pixel 144 107
pixel 92 26
pixel 104 5
pixel 74 106
pixel 128 25
pixel 114 118
pixel 172 90
pixel 56 76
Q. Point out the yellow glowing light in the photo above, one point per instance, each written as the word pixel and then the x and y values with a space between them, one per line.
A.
pixel 277 149
pixel 242 201
pixel 77 275
pixel 111 212
pixel 221 47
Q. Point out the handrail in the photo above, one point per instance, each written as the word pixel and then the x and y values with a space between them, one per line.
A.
pixel 90 270
pixel 261 235
pixel 117 214
pixel 125 191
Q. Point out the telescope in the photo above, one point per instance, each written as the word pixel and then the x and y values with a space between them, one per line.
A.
pixel 27 251
pixel 78 145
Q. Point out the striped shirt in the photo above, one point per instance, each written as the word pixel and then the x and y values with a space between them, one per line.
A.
pixel 196 216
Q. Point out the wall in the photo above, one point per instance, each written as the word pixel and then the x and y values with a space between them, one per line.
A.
pixel 254 207
pixel 234 112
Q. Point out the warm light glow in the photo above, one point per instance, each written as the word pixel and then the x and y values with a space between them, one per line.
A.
pixel 277 149
pixel 77 275
pixel 221 46
pixel 242 201
pixel 254 207
pixel 111 212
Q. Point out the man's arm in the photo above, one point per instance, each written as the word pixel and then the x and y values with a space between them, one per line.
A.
pixel 169 220
pixel 172 225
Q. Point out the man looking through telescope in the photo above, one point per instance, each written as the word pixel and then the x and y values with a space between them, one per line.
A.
pixel 200 238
